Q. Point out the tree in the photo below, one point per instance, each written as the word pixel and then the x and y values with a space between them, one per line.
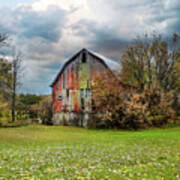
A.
pixel 108 94
pixel 25 105
pixel 5 80
pixel 134 66
pixel 16 72
pixel 5 68
pixel 151 61
pixel 5 90
pixel 123 106
pixel 3 39
pixel 44 109
pixel 166 56
pixel 143 94
pixel 29 99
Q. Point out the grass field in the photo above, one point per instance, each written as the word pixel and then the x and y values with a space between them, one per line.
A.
pixel 42 152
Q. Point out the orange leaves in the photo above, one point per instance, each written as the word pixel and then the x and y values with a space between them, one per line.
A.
pixel 124 106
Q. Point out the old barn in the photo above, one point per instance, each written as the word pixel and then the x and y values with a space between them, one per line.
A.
pixel 71 89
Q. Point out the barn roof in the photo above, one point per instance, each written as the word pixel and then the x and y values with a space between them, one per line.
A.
pixel 112 65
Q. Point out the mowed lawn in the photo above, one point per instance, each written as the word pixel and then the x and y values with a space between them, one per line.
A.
pixel 45 152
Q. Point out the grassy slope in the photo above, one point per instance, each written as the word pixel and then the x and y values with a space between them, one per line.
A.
pixel 41 152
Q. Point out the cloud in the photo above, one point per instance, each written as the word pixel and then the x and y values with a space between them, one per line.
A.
pixel 43 24
pixel 35 34
pixel 111 26
pixel 49 32
pixel 24 22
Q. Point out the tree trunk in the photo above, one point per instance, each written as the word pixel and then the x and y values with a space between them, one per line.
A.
pixel 14 96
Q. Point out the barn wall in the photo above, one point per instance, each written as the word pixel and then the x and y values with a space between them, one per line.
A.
pixel 72 93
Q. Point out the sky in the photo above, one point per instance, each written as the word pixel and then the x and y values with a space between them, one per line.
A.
pixel 48 32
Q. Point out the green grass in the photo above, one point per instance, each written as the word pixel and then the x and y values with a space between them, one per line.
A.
pixel 42 152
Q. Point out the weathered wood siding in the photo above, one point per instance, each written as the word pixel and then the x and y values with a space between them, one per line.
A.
pixel 72 90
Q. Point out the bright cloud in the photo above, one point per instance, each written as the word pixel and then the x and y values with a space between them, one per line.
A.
pixel 49 31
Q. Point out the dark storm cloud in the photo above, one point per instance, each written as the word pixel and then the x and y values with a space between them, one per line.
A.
pixel 176 26
pixel 112 48
pixel 45 25
pixel 109 43
pixel 101 39
pixel 163 16
pixel 34 33
pixel 174 22
pixel 49 37
pixel 167 12
pixel 27 23
pixel 52 66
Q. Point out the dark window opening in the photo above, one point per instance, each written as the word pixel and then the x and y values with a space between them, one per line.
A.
pixel 60 97
pixel 81 93
pixel 84 57
pixel 67 93
pixel 93 105
pixel 82 104
pixel 64 108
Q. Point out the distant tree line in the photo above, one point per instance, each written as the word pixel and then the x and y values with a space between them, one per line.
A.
pixel 37 108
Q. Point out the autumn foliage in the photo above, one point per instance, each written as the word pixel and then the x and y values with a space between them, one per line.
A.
pixel 148 108
pixel 107 99
pixel 146 90
pixel 122 106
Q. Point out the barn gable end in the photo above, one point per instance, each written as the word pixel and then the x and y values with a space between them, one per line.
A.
pixel 71 89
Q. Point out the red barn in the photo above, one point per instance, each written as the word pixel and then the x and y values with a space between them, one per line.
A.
pixel 71 89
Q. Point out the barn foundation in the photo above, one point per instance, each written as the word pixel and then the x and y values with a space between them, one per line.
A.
pixel 72 119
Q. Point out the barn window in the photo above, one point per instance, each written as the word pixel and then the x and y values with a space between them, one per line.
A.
pixel 60 97
pixel 84 57
pixel 82 104
pixel 88 93
pixel 67 93
pixel 81 93
pixel 93 105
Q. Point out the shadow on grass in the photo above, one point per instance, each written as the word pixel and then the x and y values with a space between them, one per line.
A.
pixel 24 123
pixel 16 124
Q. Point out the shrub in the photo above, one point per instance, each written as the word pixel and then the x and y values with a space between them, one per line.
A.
pixel 118 105
pixel 44 110
pixel 107 100
pixel 149 108
pixel 4 113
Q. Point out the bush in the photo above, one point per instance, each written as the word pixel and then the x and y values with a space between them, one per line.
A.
pixel 44 110
pixel 121 106
pixel 107 101
pixel 4 113
pixel 149 108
